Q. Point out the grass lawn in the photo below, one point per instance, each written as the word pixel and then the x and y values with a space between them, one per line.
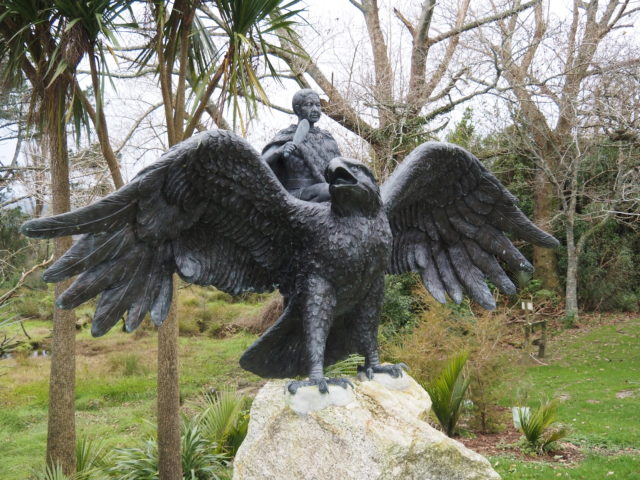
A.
pixel 594 371
pixel 597 377
pixel 115 390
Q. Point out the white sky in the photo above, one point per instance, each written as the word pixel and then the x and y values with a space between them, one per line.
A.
pixel 341 39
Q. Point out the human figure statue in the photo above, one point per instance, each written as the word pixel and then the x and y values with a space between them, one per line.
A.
pixel 299 154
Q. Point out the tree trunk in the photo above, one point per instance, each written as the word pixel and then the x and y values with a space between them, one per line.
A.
pixel 571 307
pixel 101 125
pixel 61 433
pixel 169 396
pixel 545 260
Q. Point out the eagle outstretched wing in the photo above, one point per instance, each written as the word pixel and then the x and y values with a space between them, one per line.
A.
pixel 209 209
pixel 449 216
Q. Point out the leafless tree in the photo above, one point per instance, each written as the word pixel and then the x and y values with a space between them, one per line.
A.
pixel 559 74
pixel 389 104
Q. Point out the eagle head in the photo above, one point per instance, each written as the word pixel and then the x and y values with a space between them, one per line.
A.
pixel 353 188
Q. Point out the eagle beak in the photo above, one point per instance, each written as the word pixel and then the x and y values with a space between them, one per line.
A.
pixel 338 173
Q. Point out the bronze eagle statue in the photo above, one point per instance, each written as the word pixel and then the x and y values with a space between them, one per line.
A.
pixel 213 212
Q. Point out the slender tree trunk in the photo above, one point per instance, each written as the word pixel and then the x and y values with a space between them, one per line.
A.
pixel 169 396
pixel 571 307
pixel 545 260
pixel 61 433
pixel 101 125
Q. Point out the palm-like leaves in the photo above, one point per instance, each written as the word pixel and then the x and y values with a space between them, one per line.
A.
pixel 91 457
pixel 539 426
pixel 198 461
pixel 51 472
pixel 96 19
pixel 447 392
pixel 214 49
pixel 250 26
pixel 224 421
pixel 347 367
pixel 45 40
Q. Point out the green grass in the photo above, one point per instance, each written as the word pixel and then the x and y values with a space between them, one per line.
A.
pixel 116 391
pixel 597 378
pixel 591 468
pixel 115 387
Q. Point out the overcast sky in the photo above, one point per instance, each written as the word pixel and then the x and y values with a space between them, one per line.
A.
pixel 340 40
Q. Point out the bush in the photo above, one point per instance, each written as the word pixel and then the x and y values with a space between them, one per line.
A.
pixel 608 277
pixel 188 326
pixel 224 421
pixel 49 472
pixel 400 306
pixel 259 322
pixel 91 458
pixel 13 246
pixel 8 344
pixel 447 392
pixel 206 310
pixel 128 365
pixel 441 331
pixel 198 460
pixel 36 305
pixel 347 367
pixel 540 427
pixel 136 463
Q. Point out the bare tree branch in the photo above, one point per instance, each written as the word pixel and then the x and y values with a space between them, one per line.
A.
pixel 14 200
pixel 11 292
pixel 482 21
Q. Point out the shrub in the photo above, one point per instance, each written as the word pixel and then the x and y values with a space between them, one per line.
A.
pixel 447 392
pixel 224 421
pixel 540 427
pixel 136 463
pixel 259 322
pixel 198 460
pixel 347 367
pixel 400 306
pixel 569 321
pixel 13 246
pixel 188 326
pixel 128 365
pixel 608 275
pixel 91 458
pixel 49 472
pixel 37 305
pixel 8 344
pixel 215 330
pixel 441 331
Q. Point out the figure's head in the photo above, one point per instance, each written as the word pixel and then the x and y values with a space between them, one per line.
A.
pixel 353 188
pixel 306 104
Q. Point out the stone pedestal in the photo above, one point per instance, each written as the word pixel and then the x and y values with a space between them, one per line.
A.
pixel 373 432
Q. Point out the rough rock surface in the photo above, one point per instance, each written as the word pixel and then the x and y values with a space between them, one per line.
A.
pixel 381 434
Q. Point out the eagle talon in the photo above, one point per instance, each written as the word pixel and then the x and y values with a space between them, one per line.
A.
pixel 394 371
pixel 321 383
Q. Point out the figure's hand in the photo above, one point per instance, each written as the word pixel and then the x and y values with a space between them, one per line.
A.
pixel 288 148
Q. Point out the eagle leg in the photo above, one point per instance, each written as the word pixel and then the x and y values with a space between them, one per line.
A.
pixel 366 318
pixel 318 304
pixel 321 383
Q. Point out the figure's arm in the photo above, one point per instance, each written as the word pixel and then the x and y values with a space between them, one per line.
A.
pixel 273 154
